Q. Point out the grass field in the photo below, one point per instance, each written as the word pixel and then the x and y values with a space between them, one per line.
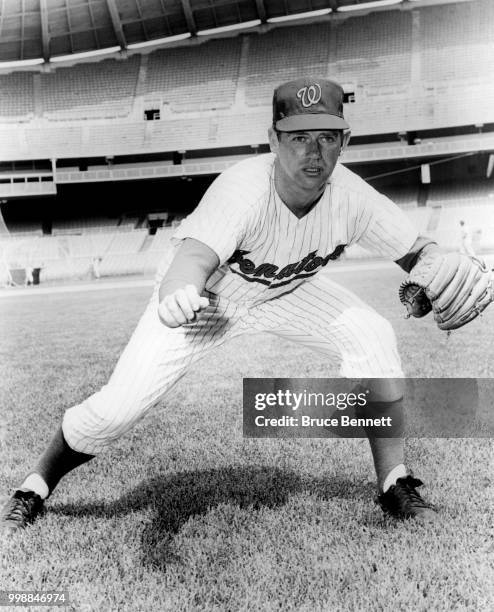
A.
pixel 185 514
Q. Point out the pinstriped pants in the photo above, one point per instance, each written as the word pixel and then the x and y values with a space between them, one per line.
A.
pixel 319 313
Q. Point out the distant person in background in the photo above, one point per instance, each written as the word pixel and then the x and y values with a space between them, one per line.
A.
pixel 95 270
pixel 466 240
pixel 29 276
pixel 5 277
pixel 36 275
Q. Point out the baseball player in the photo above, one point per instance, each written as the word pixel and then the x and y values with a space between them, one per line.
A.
pixel 248 259
pixel 28 271
pixel 466 239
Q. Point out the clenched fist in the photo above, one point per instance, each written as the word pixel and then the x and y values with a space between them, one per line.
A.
pixel 181 306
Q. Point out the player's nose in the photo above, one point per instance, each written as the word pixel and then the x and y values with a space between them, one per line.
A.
pixel 313 149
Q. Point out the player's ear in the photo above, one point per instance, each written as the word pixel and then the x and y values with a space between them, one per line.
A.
pixel 273 140
pixel 345 138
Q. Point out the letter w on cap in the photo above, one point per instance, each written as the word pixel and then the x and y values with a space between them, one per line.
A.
pixel 309 96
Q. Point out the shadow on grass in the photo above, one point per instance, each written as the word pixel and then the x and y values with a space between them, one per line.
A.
pixel 178 497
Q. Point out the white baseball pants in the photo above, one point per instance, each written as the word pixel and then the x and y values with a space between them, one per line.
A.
pixel 319 313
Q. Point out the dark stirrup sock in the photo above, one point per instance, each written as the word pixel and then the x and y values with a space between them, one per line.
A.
pixel 387 452
pixel 58 459
pixel 378 410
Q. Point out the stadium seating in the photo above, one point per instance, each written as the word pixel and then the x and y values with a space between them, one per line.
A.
pixel 17 96
pixel 186 134
pixel 54 141
pixel 68 256
pixel 21 228
pixel 284 54
pixel 127 224
pixel 125 264
pixel 131 139
pixel 83 225
pixel 371 51
pixel 374 51
pixel 408 69
pixel 195 78
pixel 41 250
pixel 90 90
pixel 457 41
pixel 126 242
pixel 161 239
pixel 405 196
pixel 462 194
pixel 88 245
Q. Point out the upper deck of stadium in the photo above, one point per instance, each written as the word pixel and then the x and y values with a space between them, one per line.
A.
pixel 429 67
pixel 413 67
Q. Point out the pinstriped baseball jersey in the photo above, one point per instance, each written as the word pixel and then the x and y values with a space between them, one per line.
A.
pixel 265 250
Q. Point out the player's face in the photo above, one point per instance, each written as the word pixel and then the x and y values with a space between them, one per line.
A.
pixel 307 158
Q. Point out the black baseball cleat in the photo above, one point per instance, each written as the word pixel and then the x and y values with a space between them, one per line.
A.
pixel 20 510
pixel 403 501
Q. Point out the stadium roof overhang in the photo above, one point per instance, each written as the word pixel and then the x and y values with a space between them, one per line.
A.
pixel 41 30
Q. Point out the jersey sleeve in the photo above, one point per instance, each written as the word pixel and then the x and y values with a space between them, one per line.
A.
pixel 221 219
pixel 384 229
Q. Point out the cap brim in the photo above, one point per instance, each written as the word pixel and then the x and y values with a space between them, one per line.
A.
pixel 313 121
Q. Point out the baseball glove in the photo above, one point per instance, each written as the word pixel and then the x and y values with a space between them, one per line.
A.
pixel 456 287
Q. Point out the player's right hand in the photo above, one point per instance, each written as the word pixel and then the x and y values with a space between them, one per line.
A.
pixel 181 306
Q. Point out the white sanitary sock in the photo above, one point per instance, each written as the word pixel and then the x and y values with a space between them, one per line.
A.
pixel 35 483
pixel 399 471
